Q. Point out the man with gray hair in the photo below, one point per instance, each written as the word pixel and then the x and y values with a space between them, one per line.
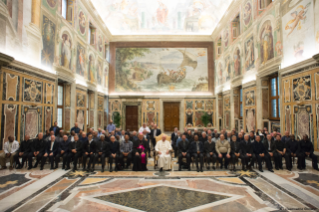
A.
pixel 223 150
pixel 246 151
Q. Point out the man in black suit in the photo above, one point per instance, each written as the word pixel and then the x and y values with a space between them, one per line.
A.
pixel 114 153
pixel 246 152
pixel 210 151
pixel 52 151
pixel 174 134
pixel 183 147
pixel 196 150
pixel 76 151
pixel 25 151
pixel 103 150
pixel 64 152
pixel 291 149
pixel 280 151
pixel 174 143
pixel 154 132
pixel 235 150
pixel 38 149
pixel 269 145
pixel 55 128
pixel 260 153
pixel 306 150
pixel 90 151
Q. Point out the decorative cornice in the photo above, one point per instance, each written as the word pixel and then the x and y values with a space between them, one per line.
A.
pixel 145 38
pixel 5 59
pixel 303 65
pixel 316 57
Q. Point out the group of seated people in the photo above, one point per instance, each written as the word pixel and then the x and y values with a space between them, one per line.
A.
pixel 124 147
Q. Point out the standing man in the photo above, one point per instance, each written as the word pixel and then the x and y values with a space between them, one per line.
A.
pixel 55 128
pixel 183 147
pixel 10 150
pixel 174 133
pixel 154 133
pixel 76 128
pixel 76 151
pixel 25 151
pixel 114 151
pixel 126 151
pixel 163 148
pixel 144 127
pixel 223 150
pixel 38 149
pixel 196 150
pixel 52 151
pixel 210 151
pixel 110 127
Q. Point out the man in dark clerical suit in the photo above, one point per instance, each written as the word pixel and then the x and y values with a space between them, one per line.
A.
pixel 196 150
pixel 64 152
pixel 114 153
pixel 155 132
pixel 306 150
pixel 52 151
pixel 269 145
pixel 25 151
pixel 55 128
pixel 280 151
pixel 90 151
pixel 210 151
pixel 183 147
pixel 76 151
pixel 234 150
pixel 102 150
pixel 140 148
pixel 291 149
pixel 38 149
pixel 174 134
pixel 246 152
pixel 260 153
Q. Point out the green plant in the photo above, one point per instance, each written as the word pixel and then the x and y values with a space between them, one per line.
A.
pixel 205 119
pixel 117 119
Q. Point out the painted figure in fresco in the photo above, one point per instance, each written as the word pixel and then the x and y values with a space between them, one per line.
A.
pixel 91 68
pixel 82 22
pixel 297 17
pixel 106 77
pixel 99 74
pixel 237 62
pixel 228 72
pixel 266 45
pixel 66 51
pixel 299 50
pixel 247 13
pixel 161 13
pixel 81 61
pixel 226 38
pixel 249 52
pixel 220 76
pixel 51 3
pixel 100 46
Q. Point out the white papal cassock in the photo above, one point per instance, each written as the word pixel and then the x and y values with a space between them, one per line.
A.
pixel 164 160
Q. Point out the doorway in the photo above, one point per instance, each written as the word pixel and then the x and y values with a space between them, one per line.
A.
pixel 131 118
pixel 171 116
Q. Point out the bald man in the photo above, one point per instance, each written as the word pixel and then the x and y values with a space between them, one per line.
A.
pixel 38 149
pixel 52 151
pixel 64 152
pixel 163 148
pixel 25 151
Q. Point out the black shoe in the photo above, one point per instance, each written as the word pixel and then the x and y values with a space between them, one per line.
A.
pixel 289 170
pixel 261 170
pixel 277 168
pixel 213 167
pixel 56 167
pixel 281 168
pixel 84 169
pixel 102 169
pixel 244 169
pixel 201 169
pixel 189 169
pixel 41 168
pixel 161 169
pixel 270 170
pixel 221 167
pixel 179 169
pixel 63 167
pixel 67 168
pixel 111 169
pixel 115 169
pixel 197 169
pixel 208 168
pixel 52 168
pixel 35 166
pixel 19 167
pixel 30 167
pixel 226 167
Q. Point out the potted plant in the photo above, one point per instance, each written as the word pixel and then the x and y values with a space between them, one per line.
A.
pixel 205 119
pixel 117 119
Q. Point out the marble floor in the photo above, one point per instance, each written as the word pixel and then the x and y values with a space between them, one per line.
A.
pixel 219 190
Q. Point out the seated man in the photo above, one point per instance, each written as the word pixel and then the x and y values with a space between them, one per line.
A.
pixel 114 153
pixel 126 151
pixel 306 150
pixel 210 151
pixel 90 152
pixel 103 150
pixel 280 151
pixel 183 147
pixel 260 153
pixel 25 151
pixel 38 149
pixel 269 145
pixel 10 150
pixel 246 152
pixel 163 148
pixel 52 151
pixel 196 150
pixel 291 149
pixel 140 148
pixel 235 150
pixel 223 149
pixel 64 152
pixel 76 148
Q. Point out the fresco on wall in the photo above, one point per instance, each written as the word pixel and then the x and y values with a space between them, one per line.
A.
pixel 302 88
pixel 247 14
pixel 99 72
pixel 226 38
pixel 80 60
pixel 91 69
pixel 266 42
pixel 80 118
pixel 298 33
pixel 100 43
pixel 228 68
pixel 52 3
pixel 249 54
pixel 66 51
pixel 48 38
pixel 237 63
pixel 250 119
pixel 161 69
pixel 106 75
pixel 220 74
pixel 161 16
pixel 82 22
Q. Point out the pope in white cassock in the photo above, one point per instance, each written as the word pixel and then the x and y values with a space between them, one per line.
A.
pixel 163 147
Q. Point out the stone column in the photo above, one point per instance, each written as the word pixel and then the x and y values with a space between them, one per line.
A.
pixel 73 104
pixel 259 99
pixel 34 33
pixel 96 110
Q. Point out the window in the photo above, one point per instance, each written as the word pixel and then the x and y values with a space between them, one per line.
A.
pixel 264 3
pixel 274 98
pixel 64 8
pixel 67 10
pixel 91 35
pixel 241 103
pixel 60 105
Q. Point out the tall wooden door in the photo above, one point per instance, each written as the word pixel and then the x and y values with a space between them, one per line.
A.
pixel 131 118
pixel 171 116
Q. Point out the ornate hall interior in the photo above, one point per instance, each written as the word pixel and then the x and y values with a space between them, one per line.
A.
pixel 159 105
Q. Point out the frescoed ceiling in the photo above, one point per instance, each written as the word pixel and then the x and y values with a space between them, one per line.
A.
pixel 161 17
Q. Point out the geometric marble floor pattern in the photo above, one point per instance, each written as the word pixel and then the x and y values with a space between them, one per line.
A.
pixel 219 190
